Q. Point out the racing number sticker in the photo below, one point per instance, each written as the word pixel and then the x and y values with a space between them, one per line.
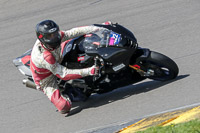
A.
pixel 114 38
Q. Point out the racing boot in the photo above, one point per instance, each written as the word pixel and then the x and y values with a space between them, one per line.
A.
pixel 75 94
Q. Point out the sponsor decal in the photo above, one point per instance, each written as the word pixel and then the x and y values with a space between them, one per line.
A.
pixel 118 67
pixel 52 30
pixel 81 58
pixel 68 47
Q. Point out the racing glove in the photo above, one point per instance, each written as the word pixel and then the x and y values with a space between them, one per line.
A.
pixel 90 71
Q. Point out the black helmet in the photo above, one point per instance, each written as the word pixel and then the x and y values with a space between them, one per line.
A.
pixel 48 33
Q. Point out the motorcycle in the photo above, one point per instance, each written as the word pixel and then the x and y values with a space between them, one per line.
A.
pixel 116 52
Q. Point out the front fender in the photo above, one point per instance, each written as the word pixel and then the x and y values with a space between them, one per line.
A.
pixel 144 53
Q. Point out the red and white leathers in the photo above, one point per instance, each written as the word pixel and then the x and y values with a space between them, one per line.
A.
pixel 45 67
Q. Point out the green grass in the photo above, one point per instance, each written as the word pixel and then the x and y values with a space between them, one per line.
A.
pixel 188 127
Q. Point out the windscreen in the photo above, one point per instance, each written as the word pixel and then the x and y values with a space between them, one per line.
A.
pixel 102 38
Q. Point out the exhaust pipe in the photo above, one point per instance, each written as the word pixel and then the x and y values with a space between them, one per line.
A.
pixel 29 83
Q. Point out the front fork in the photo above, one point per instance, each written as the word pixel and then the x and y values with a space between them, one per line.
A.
pixel 141 55
pixel 143 73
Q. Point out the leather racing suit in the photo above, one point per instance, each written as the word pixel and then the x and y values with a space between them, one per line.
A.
pixel 45 67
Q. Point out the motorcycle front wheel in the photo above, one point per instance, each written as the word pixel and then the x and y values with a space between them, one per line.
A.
pixel 160 67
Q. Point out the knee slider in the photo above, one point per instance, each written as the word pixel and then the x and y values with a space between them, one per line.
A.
pixel 62 103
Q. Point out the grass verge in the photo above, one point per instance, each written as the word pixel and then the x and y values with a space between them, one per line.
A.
pixel 187 127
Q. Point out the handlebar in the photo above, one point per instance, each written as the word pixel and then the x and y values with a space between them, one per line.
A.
pixel 98 63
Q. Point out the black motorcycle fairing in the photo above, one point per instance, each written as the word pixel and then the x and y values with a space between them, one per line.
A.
pixel 121 30
pixel 83 52
pixel 112 55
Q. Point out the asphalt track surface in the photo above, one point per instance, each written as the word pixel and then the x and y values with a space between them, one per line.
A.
pixel 170 27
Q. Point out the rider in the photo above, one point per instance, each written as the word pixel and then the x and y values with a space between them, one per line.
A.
pixel 46 57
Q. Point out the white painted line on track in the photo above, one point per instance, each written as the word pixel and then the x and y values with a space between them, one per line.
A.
pixel 127 121
pixel 174 109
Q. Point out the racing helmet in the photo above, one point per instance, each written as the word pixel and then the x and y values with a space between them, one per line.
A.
pixel 49 34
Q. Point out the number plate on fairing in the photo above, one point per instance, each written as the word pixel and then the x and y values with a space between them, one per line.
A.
pixel 118 67
pixel 114 38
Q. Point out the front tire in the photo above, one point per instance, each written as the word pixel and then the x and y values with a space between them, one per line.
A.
pixel 162 67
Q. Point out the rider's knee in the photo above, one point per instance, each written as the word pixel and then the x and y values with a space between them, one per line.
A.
pixel 62 103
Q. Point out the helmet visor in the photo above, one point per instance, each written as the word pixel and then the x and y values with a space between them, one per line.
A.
pixel 52 40
pixel 52 37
